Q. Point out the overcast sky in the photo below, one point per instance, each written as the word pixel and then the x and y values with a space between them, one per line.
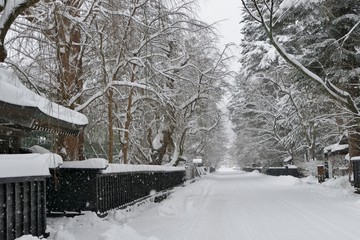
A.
pixel 227 11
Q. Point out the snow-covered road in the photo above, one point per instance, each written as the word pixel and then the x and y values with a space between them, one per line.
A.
pixel 233 205
pixel 229 206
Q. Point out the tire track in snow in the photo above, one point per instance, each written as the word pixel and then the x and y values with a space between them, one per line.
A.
pixel 200 212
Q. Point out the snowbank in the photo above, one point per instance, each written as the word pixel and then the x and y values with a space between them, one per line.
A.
pixel 90 227
pixel 21 165
pixel 14 92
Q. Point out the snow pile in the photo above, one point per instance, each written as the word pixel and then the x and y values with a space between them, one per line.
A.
pixel 90 227
pixel 340 182
pixel 288 180
pixel 21 165
pixel 254 173
pixel 14 92
pixel 309 180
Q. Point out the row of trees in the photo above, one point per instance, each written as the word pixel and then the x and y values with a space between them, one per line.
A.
pixel 299 86
pixel 147 73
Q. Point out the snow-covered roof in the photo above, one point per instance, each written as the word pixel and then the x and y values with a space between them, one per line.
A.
pixel 12 91
pixel 336 147
pixel 197 160
pixel 23 165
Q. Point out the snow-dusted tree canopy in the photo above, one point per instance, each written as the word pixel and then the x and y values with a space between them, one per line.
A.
pixel 298 88
pixel 147 73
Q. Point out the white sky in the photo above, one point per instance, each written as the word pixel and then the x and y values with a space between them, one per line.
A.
pixel 226 11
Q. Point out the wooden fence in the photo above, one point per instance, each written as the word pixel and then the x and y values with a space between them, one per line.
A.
pixel 75 189
pixel 22 207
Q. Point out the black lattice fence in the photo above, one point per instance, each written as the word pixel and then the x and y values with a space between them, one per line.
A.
pixel 22 207
pixel 76 190
pixel 282 171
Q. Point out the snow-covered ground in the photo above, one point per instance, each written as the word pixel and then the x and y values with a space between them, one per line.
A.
pixel 229 205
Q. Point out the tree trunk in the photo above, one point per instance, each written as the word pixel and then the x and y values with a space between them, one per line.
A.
pixel 354 141
pixel 110 126
pixel 68 40
pixel 125 148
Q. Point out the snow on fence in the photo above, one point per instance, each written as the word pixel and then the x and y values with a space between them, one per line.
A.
pixel 23 194
pixel 94 185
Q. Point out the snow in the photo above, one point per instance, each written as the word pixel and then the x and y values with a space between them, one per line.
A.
pixel 357 158
pixel 197 160
pixel 335 147
pixel 38 149
pixel 113 168
pixel 14 92
pixel 22 165
pixel 229 205
pixel 103 164
pixel 91 163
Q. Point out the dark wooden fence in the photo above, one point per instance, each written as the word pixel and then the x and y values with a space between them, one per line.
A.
pixel 282 171
pixel 75 189
pixel 275 171
pixel 22 207
pixel 356 173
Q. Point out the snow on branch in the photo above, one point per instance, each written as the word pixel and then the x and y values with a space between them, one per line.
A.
pixel 335 92
pixel 10 9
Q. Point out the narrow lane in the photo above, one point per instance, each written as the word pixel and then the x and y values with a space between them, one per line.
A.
pixel 249 206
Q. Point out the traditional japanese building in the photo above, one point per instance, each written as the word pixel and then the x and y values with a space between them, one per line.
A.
pixel 23 177
pixel 23 112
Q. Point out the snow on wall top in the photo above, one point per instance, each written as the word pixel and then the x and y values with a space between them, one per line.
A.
pixel 357 158
pixel 91 163
pixel 23 165
pixel 105 167
pixel 114 168
pixel 14 92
